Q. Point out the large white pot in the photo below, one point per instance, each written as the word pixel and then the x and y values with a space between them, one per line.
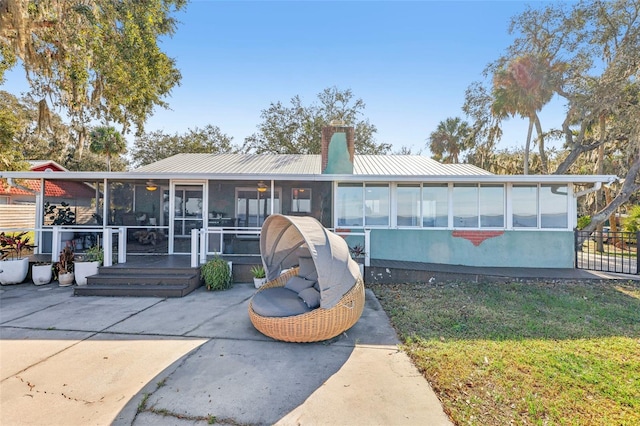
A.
pixel 13 271
pixel 41 274
pixel 83 270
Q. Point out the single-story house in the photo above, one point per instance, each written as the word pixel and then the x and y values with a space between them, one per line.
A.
pixel 411 208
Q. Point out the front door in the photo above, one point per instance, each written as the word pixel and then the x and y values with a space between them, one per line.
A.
pixel 188 206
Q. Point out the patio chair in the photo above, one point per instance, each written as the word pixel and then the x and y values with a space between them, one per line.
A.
pixel 316 261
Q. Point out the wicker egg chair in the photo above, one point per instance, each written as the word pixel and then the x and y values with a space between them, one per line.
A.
pixel 340 284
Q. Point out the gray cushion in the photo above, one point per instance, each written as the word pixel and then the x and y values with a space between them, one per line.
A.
pixel 307 268
pixel 278 302
pixel 311 297
pixel 298 284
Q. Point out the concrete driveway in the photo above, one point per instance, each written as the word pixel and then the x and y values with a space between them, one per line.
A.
pixel 68 360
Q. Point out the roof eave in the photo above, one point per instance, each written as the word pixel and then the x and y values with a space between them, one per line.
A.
pixel 488 178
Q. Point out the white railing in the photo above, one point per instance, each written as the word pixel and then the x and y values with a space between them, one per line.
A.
pixel 58 231
pixel 199 241
pixel 199 237
pixel 107 241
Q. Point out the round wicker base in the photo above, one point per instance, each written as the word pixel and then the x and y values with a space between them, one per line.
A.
pixel 317 325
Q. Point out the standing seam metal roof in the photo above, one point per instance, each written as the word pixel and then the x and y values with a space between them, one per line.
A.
pixel 298 164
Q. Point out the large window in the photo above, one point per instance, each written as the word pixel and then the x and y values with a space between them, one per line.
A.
pixel 408 211
pixel 465 206
pixel 524 201
pixel 349 204
pixel 362 205
pixel 435 205
pixel 544 206
pixel 553 206
pixel 491 204
pixel 376 204
pixel 459 205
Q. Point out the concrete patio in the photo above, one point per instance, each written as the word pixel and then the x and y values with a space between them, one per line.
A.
pixel 139 361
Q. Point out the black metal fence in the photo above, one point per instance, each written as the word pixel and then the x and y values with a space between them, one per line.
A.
pixel 608 251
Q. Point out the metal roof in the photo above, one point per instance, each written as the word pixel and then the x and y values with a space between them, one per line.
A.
pixel 271 164
pixel 367 168
pixel 301 165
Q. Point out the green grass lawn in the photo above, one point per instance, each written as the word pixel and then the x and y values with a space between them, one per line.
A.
pixel 524 353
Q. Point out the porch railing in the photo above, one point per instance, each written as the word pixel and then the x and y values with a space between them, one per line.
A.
pixel 58 231
pixel 199 239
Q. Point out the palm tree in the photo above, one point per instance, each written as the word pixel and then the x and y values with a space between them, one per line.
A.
pixel 107 140
pixel 522 88
pixel 449 140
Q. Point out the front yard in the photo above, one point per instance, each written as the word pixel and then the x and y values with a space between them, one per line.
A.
pixel 524 353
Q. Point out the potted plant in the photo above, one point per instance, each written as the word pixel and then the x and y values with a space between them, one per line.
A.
pixel 216 274
pixel 41 273
pixel 357 252
pixel 63 268
pixel 259 276
pixel 88 264
pixel 13 267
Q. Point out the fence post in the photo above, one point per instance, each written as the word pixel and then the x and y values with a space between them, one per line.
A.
pixel 575 249
pixel 637 254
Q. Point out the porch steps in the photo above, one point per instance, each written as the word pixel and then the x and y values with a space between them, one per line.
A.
pixel 141 282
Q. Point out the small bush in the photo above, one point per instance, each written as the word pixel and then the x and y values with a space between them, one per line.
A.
pixel 632 223
pixel 216 274
pixel 583 221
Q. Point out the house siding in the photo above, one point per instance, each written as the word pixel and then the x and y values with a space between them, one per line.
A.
pixel 542 249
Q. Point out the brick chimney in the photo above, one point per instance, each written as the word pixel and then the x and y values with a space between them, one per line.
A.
pixel 337 148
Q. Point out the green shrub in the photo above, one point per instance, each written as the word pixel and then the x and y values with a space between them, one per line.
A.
pixel 94 253
pixel 583 221
pixel 216 274
pixel 632 222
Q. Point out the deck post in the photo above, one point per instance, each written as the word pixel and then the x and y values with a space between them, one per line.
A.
pixel 107 247
pixel 367 247
pixel 55 244
pixel 194 248
pixel 203 246
pixel 122 245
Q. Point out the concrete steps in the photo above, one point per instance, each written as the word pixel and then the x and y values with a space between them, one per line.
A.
pixel 141 282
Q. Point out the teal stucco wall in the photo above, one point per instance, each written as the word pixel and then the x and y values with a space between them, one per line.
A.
pixel 533 249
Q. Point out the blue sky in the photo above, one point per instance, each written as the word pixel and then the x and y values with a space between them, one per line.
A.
pixel 410 62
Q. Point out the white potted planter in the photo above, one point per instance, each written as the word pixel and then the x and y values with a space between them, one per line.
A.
pixel 259 282
pixel 41 274
pixel 85 269
pixel 259 278
pixel 65 279
pixel 13 271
